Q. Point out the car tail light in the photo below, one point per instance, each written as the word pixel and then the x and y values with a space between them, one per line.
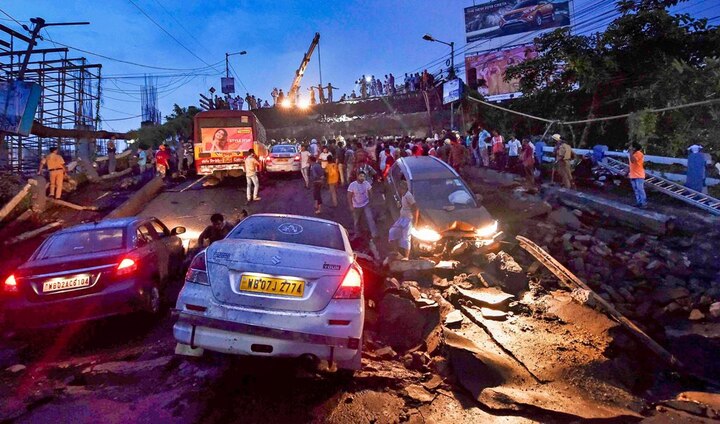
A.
pixel 197 273
pixel 297 158
pixel 126 266
pixel 269 159
pixel 10 285
pixel 351 286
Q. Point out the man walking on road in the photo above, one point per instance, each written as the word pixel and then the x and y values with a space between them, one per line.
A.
pixel 162 161
pixel 340 159
pixel 56 170
pixel 317 176
pixel 564 156
pixel 305 165
pixel 637 174
pixel 333 177
pixel 359 193
pixel 513 150
pixel 400 230
pixel 251 168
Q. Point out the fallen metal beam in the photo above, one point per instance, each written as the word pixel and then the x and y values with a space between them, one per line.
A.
pixel 569 280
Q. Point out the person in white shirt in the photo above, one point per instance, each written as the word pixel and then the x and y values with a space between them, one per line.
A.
pixel 359 192
pixel 323 157
pixel 314 147
pixel 513 149
pixel 400 230
pixel 305 165
pixel 251 168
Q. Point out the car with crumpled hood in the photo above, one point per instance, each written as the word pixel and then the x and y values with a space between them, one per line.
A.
pixel 449 214
pixel 277 286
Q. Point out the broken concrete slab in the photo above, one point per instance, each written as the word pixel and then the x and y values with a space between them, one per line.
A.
pixel 492 314
pixel 128 367
pixel 491 297
pixel 565 218
pixel 411 265
pixel 454 319
pixel 508 274
pixel 418 393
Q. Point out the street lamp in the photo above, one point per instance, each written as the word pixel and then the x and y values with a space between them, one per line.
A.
pixel 227 55
pixel 451 75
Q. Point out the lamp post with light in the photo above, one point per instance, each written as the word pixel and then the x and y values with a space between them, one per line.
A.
pixel 227 55
pixel 451 74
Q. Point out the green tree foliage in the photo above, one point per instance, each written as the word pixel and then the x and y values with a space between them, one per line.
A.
pixel 179 123
pixel 646 59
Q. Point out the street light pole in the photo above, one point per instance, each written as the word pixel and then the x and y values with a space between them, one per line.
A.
pixel 451 74
pixel 227 63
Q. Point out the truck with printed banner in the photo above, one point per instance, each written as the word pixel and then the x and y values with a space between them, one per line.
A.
pixel 222 141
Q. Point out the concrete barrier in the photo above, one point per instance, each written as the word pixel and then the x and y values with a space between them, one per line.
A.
pixel 138 200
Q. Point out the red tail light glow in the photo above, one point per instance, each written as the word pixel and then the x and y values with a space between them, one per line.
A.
pixel 197 273
pixel 351 286
pixel 127 266
pixel 10 285
pixel 297 158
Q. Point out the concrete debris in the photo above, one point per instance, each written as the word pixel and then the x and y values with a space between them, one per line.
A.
pixel 711 402
pixel 411 265
pixel 459 249
pixel 489 297
pixel 509 275
pixel 696 315
pixel 565 218
pixel 16 368
pixel 128 367
pixel 418 393
pixel 402 325
pixel 690 407
pixel 664 296
pixel 385 353
pixel 434 382
pixel 454 319
pixel 714 310
pixel 488 313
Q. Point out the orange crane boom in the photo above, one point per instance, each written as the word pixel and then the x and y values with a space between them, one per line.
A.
pixel 292 93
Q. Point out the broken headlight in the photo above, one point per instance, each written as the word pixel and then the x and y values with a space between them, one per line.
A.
pixel 487 231
pixel 425 234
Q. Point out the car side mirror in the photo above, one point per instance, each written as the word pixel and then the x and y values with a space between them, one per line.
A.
pixel 178 230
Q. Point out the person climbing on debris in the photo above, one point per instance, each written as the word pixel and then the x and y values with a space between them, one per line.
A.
pixel 563 158
pixel 399 233
pixel 217 230
pixel 637 174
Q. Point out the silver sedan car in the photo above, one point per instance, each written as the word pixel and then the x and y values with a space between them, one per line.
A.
pixel 283 158
pixel 277 285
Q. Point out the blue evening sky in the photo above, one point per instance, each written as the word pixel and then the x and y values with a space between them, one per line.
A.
pixel 357 37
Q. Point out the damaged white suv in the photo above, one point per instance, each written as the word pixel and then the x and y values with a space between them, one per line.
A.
pixel 277 285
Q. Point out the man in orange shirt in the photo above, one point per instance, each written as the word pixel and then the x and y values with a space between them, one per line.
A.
pixel 637 174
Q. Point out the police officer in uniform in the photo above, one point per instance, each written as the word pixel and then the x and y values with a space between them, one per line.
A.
pixel 56 168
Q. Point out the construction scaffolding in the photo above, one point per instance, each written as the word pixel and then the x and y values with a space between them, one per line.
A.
pixel 71 92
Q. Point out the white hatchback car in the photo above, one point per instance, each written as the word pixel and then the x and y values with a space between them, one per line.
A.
pixel 283 158
pixel 277 285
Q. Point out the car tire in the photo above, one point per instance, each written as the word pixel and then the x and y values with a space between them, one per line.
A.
pixel 538 20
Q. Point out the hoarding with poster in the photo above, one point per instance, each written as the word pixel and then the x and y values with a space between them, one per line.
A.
pixel 506 17
pixel 18 102
pixel 488 69
pixel 223 138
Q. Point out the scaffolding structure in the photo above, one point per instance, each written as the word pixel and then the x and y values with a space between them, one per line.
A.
pixel 149 102
pixel 71 93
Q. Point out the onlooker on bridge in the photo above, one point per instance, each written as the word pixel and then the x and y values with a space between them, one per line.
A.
pixel 637 174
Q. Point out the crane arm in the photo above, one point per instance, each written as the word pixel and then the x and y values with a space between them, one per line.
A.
pixel 292 93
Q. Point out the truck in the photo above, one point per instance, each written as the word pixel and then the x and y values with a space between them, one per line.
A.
pixel 222 139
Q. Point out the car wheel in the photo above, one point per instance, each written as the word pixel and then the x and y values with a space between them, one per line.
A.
pixel 552 17
pixel 538 20
pixel 153 300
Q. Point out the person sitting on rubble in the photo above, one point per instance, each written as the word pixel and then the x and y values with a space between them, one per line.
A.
pixel 217 230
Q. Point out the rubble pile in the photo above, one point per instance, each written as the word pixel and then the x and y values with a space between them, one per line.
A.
pixel 648 278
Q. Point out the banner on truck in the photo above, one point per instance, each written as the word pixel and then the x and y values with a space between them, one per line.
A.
pixel 506 17
pixel 223 145
pixel 488 69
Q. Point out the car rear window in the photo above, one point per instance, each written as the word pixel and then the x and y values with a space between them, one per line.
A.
pixel 82 242
pixel 283 149
pixel 290 230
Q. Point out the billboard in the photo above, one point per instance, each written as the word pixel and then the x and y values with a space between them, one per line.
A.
pixel 18 102
pixel 227 85
pixel 223 146
pixel 506 17
pixel 452 90
pixel 488 69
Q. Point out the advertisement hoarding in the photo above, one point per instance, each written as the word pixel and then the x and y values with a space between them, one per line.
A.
pixel 452 90
pixel 488 69
pixel 219 146
pixel 18 102
pixel 506 17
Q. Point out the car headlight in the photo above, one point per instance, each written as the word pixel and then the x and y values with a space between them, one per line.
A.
pixel 487 230
pixel 425 234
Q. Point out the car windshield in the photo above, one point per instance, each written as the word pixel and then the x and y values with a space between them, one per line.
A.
pixel 82 242
pixel 442 192
pixel 290 230
pixel 283 149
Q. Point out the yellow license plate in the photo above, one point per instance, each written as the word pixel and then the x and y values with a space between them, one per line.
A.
pixel 281 286
pixel 66 284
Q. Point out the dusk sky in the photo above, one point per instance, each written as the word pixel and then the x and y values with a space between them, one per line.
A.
pixel 357 37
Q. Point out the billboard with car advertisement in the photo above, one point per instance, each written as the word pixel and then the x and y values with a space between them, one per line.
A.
pixel 506 17
pixel 488 69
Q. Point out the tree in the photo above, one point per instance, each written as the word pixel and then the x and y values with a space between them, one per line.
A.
pixel 179 123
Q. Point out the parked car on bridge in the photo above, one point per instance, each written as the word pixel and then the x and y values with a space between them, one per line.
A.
pixel 448 211
pixel 92 271
pixel 283 158
pixel 528 14
pixel 277 285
